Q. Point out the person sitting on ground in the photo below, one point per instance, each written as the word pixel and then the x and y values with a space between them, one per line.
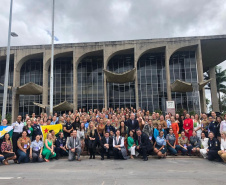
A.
pixel 171 142
pixel 160 145
pixel 195 143
pixel 144 145
pixel 23 144
pixel 7 149
pixel 222 152
pixel 61 146
pixel 74 146
pixel 118 146
pixel 106 146
pixel 131 144
pixel 48 151
pixel 204 145
pixel 36 150
pixel 183 144
pixel 213 148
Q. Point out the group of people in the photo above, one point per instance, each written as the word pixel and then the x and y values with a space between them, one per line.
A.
pixel 121 134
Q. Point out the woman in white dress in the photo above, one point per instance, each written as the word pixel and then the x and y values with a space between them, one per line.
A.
pixel 204 145
pixel 197 125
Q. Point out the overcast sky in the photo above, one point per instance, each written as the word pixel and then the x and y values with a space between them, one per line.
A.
pixel 109 20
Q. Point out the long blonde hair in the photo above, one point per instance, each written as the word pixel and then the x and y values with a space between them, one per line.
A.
pixel 91 129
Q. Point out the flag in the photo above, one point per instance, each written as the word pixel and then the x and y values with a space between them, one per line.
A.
pixel 45 129
pixel 6 129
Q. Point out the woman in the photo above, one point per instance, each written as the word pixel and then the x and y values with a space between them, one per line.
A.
pixel 180 123
pixel 195 143
pixel 213 148
pixel 204 145
pixel 23 144
pixel 157 130
pixel 81 135
pixel 76 124
pixel 53 138
pixel 175 128
pixel 148 129
pixel 29 129
pixel 197 126
pixel 101 128
pixel 218 120
pixel 48 151
pixel 67 128
pixel 163 123
pixel 36 150
pixel 92 136
pixel 7 149
pixel 160 145
pixel 183 144
pixel 123 130
pixel 131 144
pixel 222 152
pixel 2 159
pixel 118 146
pixel 171 142
pixel 141 123
pixel 223 125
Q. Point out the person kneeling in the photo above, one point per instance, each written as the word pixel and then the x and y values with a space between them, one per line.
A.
pixel 160 145
pixel 118 147
pixel 74 146
pixel 213 148
pixel 61 146
pixel 195 143
pixel 106 146
pixel 36 150
pixel 144 145
pixel 184 145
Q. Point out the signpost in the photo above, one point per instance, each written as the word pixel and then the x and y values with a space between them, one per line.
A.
pixel 170 107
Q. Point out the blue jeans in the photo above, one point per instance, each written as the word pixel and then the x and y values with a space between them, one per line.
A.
pixel 1 158
pixel 23 157
pixel 173 151
pixel 189 148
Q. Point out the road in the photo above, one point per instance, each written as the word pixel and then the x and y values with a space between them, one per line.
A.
pixel 114 172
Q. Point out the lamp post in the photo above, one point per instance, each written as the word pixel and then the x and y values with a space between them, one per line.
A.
pixel 6 80
pixel 51 65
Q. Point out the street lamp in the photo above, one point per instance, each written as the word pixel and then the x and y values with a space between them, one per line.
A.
pixel 6 80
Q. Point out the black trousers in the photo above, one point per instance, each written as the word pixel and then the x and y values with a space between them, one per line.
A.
pixel 212 155
pixel 92 147
pixel 117 153
pixel 60 152
pixel 15 137
pixel 107 153
pixel 145 150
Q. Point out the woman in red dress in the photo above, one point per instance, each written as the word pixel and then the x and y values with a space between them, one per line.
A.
pixel 175 128
pixel 188 126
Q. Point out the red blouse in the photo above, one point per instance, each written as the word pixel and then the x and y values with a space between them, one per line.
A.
pixel 6 147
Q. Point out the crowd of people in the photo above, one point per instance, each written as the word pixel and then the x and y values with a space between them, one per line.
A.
pixel 119 134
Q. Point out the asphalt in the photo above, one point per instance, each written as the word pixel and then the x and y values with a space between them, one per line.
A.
pixel 172 170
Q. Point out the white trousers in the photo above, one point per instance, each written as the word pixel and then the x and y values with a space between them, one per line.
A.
pixel 132 150
pixel 203 152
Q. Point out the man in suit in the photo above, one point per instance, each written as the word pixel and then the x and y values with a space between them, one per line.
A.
pixel 74 146
pixel 133 123
pixel 144 145
pixel 106 146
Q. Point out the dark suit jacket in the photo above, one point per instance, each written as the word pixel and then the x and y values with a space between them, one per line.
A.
pixel 104 141
pixel 133 126
pixel 145 142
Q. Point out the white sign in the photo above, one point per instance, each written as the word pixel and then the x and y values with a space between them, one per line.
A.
pixel 170 107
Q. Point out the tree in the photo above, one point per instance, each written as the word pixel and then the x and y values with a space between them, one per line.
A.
pixel 220 79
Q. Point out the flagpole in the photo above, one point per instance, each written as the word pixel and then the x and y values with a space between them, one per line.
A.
pixel 52 61
pixel 6 80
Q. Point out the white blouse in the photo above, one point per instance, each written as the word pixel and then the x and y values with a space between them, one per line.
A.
pixel 223 144
pixel 205 142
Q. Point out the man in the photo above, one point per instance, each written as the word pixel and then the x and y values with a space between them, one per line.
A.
pixel 106 146
pixel 213 148
pixel 214 116
pixel 155 122
pixel 37 130
pixel 86 123
pixel 4 122
pixel 214 126
pixel 74 146
pixel 54 122
pixel 168 122
pixel 148 130
pixel 205 124
pixel 17 132
pixel 61 146
pixel 109 127
pixel 144 145
pixel 133 123
pixel 36 150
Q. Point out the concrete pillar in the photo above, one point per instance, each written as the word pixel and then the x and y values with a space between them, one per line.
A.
pixel 200 77
pixel 168 84
pixel 16 83
pixel 136 78
pixel 105 80
pixel 45 80
pixel 75 81
pixel 213 86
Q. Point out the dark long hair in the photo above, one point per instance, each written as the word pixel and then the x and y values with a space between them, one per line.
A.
pixel 4 139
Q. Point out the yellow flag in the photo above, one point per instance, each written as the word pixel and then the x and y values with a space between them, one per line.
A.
pixel 45 129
